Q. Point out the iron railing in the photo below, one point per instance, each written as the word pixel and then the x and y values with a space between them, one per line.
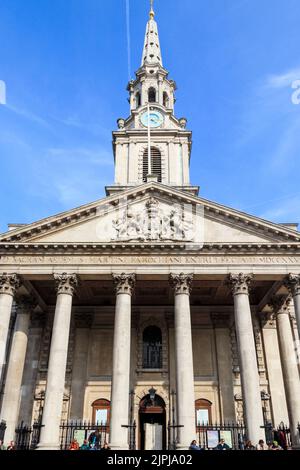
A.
pixel 96 434
pixel 173 435
pixel 234 435
pixel 131 435
pixel 2 430
pixel 28 437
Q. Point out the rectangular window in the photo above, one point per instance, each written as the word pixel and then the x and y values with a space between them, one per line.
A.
pixel 101 416
pixel 202 417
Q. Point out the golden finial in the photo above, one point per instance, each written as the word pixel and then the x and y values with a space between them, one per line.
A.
pixel 152 14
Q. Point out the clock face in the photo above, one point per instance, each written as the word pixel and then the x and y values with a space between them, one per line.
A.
pixel 155 118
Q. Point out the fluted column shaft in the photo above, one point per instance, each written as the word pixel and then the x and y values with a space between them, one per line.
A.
pixel 185 398
pixel 247 356
pixel 9 283
pixel 124 284
pixel 13 382
pixel 65 285
pixel 290 371
pixel 292 282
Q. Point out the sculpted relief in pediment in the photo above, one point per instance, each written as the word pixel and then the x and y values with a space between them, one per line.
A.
pixel 156 222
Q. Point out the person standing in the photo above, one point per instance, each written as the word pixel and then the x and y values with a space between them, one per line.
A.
pixel 94 440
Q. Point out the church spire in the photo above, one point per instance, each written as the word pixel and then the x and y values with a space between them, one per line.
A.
pixel 151 14
pixel 151 51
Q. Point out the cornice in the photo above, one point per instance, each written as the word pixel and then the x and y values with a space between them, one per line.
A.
pixel 213 249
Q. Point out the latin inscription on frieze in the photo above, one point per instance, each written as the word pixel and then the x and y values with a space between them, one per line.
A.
pixel 149 260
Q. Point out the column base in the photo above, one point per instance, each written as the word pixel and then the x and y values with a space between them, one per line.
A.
pixel 48 446
pixel 117 447
pixel 182 446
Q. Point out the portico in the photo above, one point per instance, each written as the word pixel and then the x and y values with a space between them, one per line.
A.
pixel 207 295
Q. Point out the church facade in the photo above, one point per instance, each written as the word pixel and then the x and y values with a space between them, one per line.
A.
pixel 152 304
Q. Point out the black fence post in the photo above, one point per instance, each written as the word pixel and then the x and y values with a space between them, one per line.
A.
pixel 2 430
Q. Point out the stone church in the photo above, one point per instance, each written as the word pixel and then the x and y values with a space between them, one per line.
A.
pixel 152 304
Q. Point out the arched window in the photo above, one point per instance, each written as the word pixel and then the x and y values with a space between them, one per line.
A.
pixel 203 412
pixel 151 95
pixel 152 348
pixel 166 100
pixel 101 411
pixel 155 164
pixel 137 99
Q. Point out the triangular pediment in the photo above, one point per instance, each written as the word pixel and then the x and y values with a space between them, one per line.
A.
pixel 152 212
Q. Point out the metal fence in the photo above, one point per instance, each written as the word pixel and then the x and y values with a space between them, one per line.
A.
pixel 28 437
pixel 280 434
pixel 131 435
pixel 234 435
pixel 2 430
pixel 95 434
pixel 172 435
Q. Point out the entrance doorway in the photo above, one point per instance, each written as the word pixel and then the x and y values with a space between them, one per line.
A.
pixel 152 421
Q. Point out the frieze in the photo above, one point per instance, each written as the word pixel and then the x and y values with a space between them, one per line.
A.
pixel 140 260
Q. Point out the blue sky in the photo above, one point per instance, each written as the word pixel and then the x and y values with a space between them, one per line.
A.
pixel 65 66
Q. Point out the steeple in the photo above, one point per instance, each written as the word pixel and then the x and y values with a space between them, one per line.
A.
pixel 152 143
pixel 151 51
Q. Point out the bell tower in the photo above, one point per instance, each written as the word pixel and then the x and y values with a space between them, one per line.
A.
pixel 152 127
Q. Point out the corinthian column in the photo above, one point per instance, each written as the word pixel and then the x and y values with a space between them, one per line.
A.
pixel 13 382
pixel 292 282
pixel 280 306
pixel 9 283
pixel 247 356
pixel 182 285
pixel 124 284
pixel 65 286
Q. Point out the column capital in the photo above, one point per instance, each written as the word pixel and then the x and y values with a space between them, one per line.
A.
pixel 9 283
pixel 124 283
pixel 66 283
pixel 292 283
pixel 26 304
pixel 181 283
pixel 239 283
pixel 280 304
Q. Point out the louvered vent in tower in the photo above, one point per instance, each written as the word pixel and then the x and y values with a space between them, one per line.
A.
pixel 155 164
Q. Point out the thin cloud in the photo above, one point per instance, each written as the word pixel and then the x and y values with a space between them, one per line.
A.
pixel 283 80
pixel 96 156
pixel 28 115
pixel 77 123
pixel 285 212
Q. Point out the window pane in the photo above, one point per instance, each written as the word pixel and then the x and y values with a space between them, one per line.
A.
pixel 202 417
pixel 101 416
